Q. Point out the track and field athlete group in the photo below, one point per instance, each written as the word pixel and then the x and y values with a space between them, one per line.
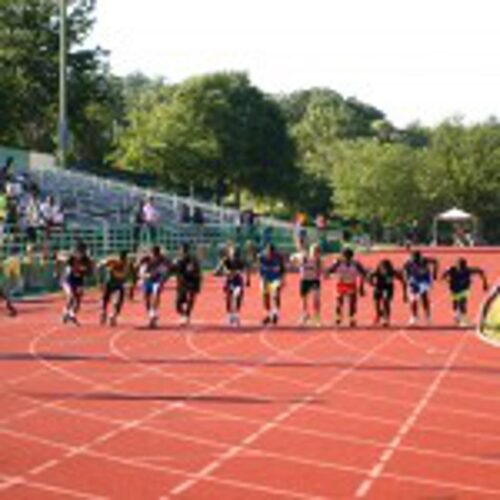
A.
pixel 151 270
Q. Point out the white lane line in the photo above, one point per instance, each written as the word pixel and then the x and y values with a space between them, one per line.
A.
pixel 11 482
pixel 170 406
pixel 96 386
pixel 42 468
pixel 231 452
pixel 407 425
pixel 147 465
pixel 334 437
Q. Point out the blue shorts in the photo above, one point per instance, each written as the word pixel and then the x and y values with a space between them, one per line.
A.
pixel 151 287
pixel 417 288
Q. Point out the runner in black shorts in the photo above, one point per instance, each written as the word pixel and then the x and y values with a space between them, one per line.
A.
pixel 311 269
pixel 382 280
pixel 76 268
pixel 234 268
pixel 188 272
pixel 459 278
pixel 118 270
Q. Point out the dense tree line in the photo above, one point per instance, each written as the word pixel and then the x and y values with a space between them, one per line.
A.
pixel 219 134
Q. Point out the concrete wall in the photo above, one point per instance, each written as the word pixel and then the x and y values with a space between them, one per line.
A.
pixel 26 159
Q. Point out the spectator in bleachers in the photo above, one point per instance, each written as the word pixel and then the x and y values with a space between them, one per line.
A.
pixel 198 217
pixel 151 219
pixel 52 216
pixel 14 188
pixel 3 207
pixel 33 220
pixel 12 216
pixel 185 216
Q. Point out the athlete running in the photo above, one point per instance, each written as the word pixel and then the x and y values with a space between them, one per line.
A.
pixel 272 274
pixel 311 269
pixel 118 271
pixel 459 279
pixel 76 268
pixel 351 277
pixel 419 273
pixel 233 267
pixel 383 281
pixel 154 270
pixel 4 296
pixel 188 271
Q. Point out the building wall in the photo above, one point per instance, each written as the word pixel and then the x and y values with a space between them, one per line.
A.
pixel 26 159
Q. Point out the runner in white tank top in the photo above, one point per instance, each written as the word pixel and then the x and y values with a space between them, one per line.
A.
pixel 311 269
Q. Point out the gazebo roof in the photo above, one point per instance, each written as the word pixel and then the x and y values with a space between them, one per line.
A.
pixel 455 215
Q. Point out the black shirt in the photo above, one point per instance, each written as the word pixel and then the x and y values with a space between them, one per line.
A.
pixel 188 272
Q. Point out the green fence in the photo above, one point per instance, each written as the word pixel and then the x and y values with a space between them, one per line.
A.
pixel 28 263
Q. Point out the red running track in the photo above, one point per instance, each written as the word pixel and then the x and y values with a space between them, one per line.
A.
pixel 209 412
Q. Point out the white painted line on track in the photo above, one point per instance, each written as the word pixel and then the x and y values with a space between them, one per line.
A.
pixel 170 406
pixel 377 470
pixel 233 451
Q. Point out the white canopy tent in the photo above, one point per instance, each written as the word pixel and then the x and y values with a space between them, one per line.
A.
pixel 462 220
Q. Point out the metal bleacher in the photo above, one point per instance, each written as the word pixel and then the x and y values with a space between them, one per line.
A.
pixel 96 205
pixel 88 199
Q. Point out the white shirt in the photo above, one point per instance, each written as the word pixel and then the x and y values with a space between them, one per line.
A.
pixel 150 214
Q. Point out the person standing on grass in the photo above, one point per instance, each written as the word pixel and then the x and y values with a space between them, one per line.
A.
pixel 187 269
pixel 419 273
pixel 311 269
pixel 272 275
pixel 351 277
pixel 76 268
pixel 118 271
pixel 383 280
pixel 459 279
pixel 233 267
pixel 153 271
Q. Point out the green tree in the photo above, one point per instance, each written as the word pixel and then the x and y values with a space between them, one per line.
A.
pixel 379 181
pixel 463 169
pixel 29 49
pixel 217 132
pixel 321 121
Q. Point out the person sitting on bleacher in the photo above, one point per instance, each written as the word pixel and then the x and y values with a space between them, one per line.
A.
pixel 52 216
pixel 33 220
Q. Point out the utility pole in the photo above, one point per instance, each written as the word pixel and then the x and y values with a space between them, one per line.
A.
pixel 63 105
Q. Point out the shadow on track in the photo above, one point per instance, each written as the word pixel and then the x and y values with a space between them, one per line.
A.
pixel 172 398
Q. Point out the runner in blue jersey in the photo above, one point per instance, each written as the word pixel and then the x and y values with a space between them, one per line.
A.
pixel 272 273
pixel 419 273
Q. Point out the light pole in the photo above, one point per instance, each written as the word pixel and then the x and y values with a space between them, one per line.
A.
pixel 63 106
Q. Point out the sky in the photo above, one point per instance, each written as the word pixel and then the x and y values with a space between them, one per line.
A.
pixel 418 60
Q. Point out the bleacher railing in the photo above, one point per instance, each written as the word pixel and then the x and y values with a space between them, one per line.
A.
pixel 84 186
pixel 28 264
